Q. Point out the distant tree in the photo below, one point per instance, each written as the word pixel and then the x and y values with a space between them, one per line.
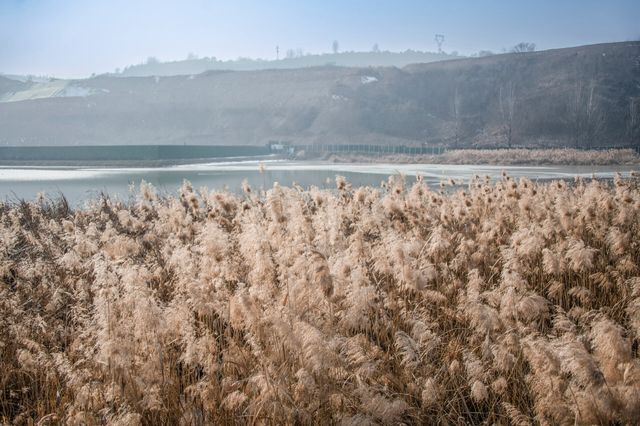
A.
pixel 192 56
pixel 586 115
pixel 335 46
pixel 633 122
pixel 152 60
pixel 457 124
pixel 291 54
pixel 483 53
pixel 507 103
pixel 375 48
pixel 523 47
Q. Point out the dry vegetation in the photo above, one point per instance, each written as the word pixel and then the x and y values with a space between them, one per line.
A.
pixel 516 156
pixel 508 303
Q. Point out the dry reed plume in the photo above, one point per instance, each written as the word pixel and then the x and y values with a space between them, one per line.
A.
pixel 509 302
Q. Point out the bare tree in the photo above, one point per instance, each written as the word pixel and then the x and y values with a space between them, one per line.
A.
pixel 335 46
pixel 586 115
pixel 633 122
pixel 523 47
pixel 457 125
pixel 507 102
pixel 375 48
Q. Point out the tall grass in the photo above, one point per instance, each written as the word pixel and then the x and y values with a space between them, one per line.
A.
pixel 515 156
pixel 508 302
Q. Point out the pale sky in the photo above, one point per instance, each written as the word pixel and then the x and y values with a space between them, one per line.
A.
pixel 74 38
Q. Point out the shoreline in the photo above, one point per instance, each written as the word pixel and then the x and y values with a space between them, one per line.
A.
pixel 478 157
pixel 502 157
pixel 130 163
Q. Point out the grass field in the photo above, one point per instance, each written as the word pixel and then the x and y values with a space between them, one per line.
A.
pixel 515 156
pixel 508 302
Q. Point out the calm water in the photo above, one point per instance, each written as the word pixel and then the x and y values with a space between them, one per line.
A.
pixel 79 184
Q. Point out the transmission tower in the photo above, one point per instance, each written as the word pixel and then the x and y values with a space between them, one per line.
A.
pixel 277 53
pixel 439 40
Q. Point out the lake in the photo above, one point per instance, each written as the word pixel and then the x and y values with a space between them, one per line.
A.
pixel 82 183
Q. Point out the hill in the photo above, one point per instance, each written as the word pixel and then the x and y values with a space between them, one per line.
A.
pixel 153 67
pixel 586 96
pixel 10 85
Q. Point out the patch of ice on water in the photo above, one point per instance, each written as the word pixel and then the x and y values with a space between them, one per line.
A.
pixel 30 174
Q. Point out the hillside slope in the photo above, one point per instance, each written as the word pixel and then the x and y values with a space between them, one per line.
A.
pixel 9 85
pixel 188 66
pixel 585 96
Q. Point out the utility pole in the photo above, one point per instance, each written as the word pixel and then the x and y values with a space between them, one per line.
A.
pixel 439 40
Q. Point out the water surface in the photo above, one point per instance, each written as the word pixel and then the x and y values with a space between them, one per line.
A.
pixel 82 183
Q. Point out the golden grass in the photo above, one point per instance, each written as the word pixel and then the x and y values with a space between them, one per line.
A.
pixel 508 302
pixel 515 156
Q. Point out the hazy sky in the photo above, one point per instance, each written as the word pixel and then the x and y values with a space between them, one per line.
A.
pixel 78 37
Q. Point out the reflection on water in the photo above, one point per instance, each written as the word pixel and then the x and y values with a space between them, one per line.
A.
pixel 79 184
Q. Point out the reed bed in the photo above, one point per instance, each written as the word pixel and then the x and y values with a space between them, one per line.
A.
pixel 515 156
pixel 504 302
